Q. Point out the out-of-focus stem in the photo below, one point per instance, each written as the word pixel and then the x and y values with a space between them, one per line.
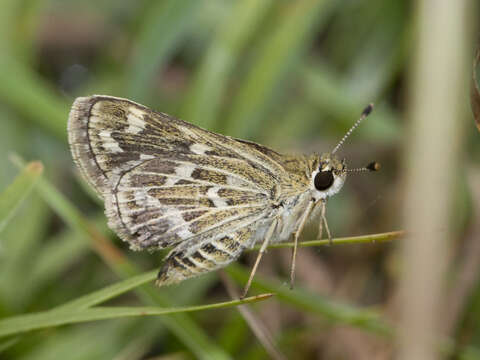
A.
pixel 437 84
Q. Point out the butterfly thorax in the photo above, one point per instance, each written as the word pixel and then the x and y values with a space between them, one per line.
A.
pixel 310 178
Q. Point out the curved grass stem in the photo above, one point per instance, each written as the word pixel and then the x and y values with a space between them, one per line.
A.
pixel 363 239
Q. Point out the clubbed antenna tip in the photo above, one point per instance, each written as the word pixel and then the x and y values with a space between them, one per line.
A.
pixel 373 166
pixel 365 113
pixel 367 110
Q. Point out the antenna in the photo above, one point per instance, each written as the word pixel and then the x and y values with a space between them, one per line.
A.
pixel 365 113
pixel 373 166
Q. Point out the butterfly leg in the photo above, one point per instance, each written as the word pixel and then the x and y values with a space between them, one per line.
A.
pixel 301 224
pixel 323 220
pixel 268 236
pixel 320 223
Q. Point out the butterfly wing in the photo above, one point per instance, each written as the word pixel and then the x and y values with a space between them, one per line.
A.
pixel 165 181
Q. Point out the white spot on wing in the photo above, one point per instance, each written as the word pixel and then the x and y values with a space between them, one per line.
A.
pixel 178 225
pixel 182 171
pixel 146 157
pixel 217 200
pixel 109 143
pixel 185 170
pixel 236 182
pixel 184 233
pixel 135 120
pixel 199 149
pixel 112 147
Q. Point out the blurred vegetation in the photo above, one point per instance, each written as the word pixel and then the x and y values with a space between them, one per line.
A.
pixel 475 90
pixel 293 75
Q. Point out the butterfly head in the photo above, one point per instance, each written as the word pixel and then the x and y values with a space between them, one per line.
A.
pixel 329 177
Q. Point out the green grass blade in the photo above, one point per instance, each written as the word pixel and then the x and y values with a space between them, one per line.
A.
pixel 107 293
pixel 85 340
pixel 166 22
pixel 4 345
pixel 22 239
pixel 280 54
pixel 350 240
pixel 53 258
pixel 12 197
pixel 20 87
pixel 204 97
pixel 24 323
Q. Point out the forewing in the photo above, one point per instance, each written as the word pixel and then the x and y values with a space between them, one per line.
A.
pixel 109 136
pixel 164 180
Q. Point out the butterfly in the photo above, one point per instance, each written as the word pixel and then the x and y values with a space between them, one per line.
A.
pixel 169 184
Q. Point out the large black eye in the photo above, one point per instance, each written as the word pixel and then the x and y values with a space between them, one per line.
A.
pixel 323 180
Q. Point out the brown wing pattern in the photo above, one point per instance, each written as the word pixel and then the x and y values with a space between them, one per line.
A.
pixel 163 180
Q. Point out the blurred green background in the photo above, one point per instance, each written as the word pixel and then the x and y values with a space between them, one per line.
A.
pixel 293 75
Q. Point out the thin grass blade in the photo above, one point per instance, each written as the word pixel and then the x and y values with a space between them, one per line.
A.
pixel 12 197
pixel 107 293
pixel 281 52
pixel 209 85
pixel 24 323
pixel 164 26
